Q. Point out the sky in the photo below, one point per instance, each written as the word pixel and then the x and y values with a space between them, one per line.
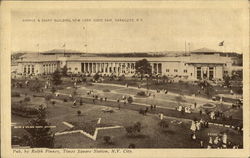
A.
pixel 156 30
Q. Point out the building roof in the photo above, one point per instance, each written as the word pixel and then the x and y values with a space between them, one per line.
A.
pixel 128 59
pixel 48 58
pixel 204 50
pixel 39 58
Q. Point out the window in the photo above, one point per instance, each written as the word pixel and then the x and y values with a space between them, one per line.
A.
pixel 28 69
pixel 69 68
pixel 198 72
pixel 167 70
pixel 175 70
pixel 185 71
pixel 76 68
pixel 211 73
pixel 32 69
pixel 24 69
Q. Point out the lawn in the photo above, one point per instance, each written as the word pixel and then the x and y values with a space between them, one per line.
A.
pixel 151 136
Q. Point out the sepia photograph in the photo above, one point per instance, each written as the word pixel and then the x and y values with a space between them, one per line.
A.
pixel 127 78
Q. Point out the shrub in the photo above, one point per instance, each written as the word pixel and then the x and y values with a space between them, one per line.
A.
pixel 65 100
pixel 15 94
pixel 81 101
pixel 35 95
pixel 79 112
pixel 36 87
pixel 141 93
pixel 134 129
pixel 107 139
pixel 141 111
pixel 48 97
pixel 26 99
pixel 74 93
pixel 137 126
pixel 131 145
pixel 129 129
pixel 130 99
pixel 106 90
pixel 163 124
pixel 180 98
pixel 53 102
pixel 89 84
pixel 53 90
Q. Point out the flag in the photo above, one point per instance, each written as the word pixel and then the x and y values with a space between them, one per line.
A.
pixel 221 43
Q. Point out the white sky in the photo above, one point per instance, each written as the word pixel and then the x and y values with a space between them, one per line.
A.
pixel 160 30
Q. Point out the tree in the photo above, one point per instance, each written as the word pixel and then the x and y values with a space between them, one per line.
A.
pixel 53 90
pixel 227 80
pixel 56 78
pixel 36 86
pixel 143 67
pixel 79 112
pixel 96 76
pixel 107 139
pixel 134 129
pixel 40 136
pixel 130 99
pixel 164 78
pixel 64 70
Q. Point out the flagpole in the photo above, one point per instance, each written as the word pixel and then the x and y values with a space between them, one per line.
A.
pixel 185 48
pixel 85 39
pixel 38 49
pixel 64 45
pixel 188 47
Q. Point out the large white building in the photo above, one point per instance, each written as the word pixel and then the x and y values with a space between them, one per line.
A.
pixel 200 64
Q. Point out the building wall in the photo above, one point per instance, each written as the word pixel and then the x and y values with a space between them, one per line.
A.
pixel 74 67
pixel 218 72
pixel 37 67
pixel 186 67
pixel 175 69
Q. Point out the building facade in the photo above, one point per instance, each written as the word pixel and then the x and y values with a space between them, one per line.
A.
pixel 200 64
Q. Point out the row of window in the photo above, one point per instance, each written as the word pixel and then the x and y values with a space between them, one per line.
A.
pixel 106 70
pixel 49 65
pixel 176 70
pixel 29 69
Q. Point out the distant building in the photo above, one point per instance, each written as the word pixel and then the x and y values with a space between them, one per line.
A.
pixel 200 64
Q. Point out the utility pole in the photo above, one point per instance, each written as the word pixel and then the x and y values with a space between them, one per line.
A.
pixel 85 39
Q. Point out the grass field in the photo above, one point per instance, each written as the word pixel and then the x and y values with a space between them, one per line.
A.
pixel 151 136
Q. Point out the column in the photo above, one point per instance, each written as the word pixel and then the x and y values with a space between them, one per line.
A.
pixel 157 71
pixel 101 67
pixel 91 67
pixel 201 72
pixel 116 68
pixel 96 68
pixel 85 67
pixel 107 68
pixel 152 67
pixel 88 65
pixel 207 72
pixel 214 69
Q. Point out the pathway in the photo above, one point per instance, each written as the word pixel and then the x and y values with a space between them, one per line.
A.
pixel 169 93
